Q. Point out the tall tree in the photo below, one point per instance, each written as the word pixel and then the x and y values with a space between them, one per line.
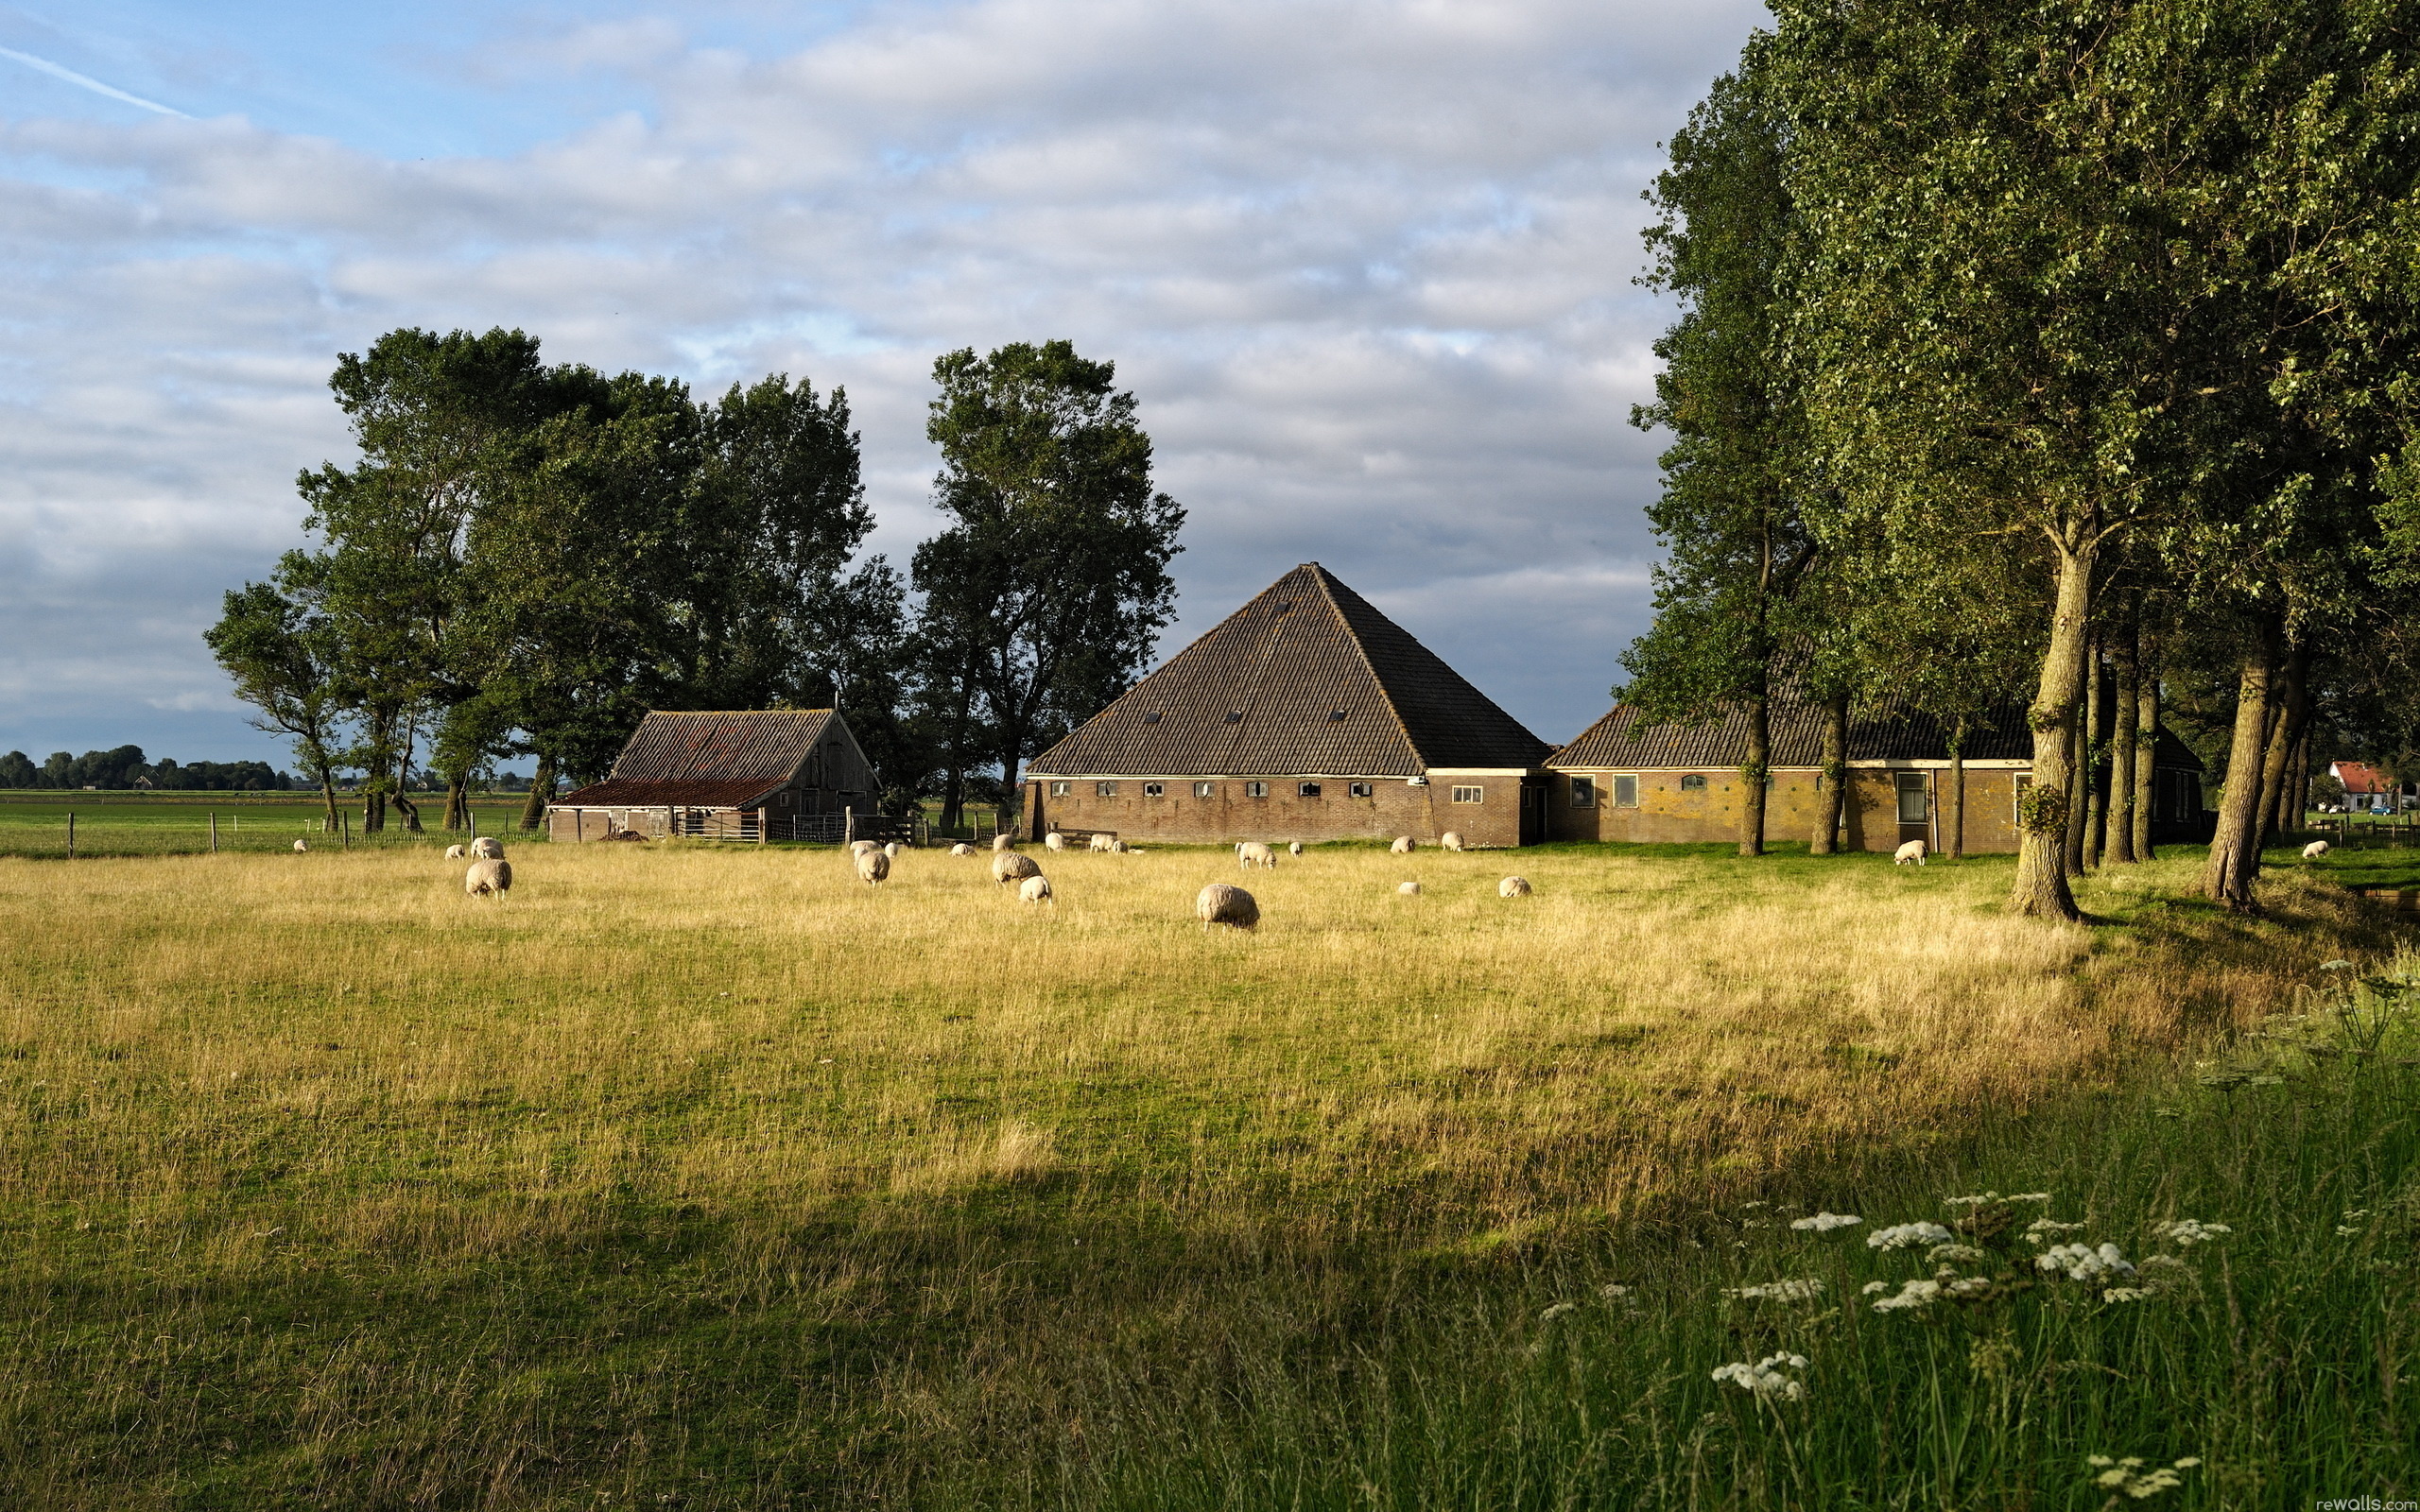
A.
pixel 1050 579
pixel 279 650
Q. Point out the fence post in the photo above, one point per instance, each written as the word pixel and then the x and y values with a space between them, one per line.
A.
pixel 848 826
pixel 347 817
pixel 760 825
pixel 214 832
pixel 71 834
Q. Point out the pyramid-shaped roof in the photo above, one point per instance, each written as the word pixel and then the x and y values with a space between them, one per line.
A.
pixel 1306 678
pixel 710 757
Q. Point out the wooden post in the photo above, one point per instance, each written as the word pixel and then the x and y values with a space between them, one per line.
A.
pixel 214 832
pixel 848 825
pixel 71 834
pixel 348 828
pixel 760 825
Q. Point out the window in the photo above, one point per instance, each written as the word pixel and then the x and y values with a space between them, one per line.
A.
pixel 1309 790
pixel 1155 790
pixel 1255 790
pixel 1693 782
pixel 1583 792
pixel 1469 795
pixel 1626 791
pixel 1151 718
pixel 1235 716
pixel 1335 714
pixel 1058 790
pixel 1360 789
pixel 1912 797
pixel 1205 790
pixel 1105 789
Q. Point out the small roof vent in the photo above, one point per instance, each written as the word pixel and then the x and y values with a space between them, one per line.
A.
pixel 1151 718
pixel 1235 716
pixel 1336 714
pixel 1284 604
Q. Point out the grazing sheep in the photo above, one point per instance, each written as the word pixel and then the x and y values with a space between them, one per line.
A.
pixel 872 865
pixel 1116 846
pixel 893 849
pixel 1055 840
pixel 1100 843
pixel 1010 867
pixel 1294 848
pixel 1004 841
pixel 488 877
pixel 1914 851
pixel 453 853
pixel 488 848
pixel 1513 887
pixel 859 848
pixel 1451 840
pixel 1408 889
pixel 299 846
pixel 1220 903
pixel 962 849
pixel 1034 890
pixel 1404 844
pixel 1253 853
pixel 2315 850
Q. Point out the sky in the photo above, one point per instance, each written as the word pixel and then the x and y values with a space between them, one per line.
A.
pixel 1368 268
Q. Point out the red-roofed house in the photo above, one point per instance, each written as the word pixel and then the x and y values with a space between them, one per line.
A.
pixel 2367 788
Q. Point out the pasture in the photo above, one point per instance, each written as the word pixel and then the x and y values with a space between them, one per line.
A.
pixel 712 1177
pixel 34 824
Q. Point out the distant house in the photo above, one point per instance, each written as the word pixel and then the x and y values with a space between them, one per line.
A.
pixel 1307 714
pixel 2368 790
pixel 1627 778
pixel 738 776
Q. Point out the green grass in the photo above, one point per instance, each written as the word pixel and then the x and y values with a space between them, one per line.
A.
pixel 34 825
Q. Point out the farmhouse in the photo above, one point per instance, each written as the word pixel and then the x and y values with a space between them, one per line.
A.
pixel 776 774
pixel 1307 714
pixel 2368 790
pixel 1625 778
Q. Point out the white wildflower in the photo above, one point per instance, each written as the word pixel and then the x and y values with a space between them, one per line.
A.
pixel 1872 1287
pixel 2184 1231
pixel 1824 1222
pixel 1961 1254
pixel 1993 1197
pixel 2335 966
pixel 1557 1310
pixel 1783 1291
pixel 1911 1294
pixel 2124 1294
pixel 1755 1205
pixel 1956 1285
pixel 1763 1379
pixel 2352 1224
pixel 1908 1235
pixel 2128 1477
pixel 2170 1260
pixel 1613 1291
pixel 2041 1229
pixel 2081 1262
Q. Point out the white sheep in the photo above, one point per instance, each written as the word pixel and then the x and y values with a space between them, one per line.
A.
pixel 2315 850
pixel 872 867
pixel 1055 840
pixel 1404 844
pixel 1294 848
pixel 859 848
pixel 299 846
pixel 1034 890
pixel 488 848
pixel 1220 904
pixel 1116 846
pixel 1004 841
pixel 962 849
pixel 893 849
pixel 1451 840
pixel 1253 853
pixel 1914 851
pixel 1100 843
pixel 1010 867
pixel 1408 889
pixel 453 853
pixel 488 877
pixel 1513 887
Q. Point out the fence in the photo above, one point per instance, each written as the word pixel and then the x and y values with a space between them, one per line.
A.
pixel 82 831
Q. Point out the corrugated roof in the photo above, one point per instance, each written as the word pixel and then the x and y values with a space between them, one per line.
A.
pixel 640 793
pixel 1623 739
pixel 1263 691
pixel 765 747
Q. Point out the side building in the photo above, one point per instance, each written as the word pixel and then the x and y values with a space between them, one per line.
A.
pixel 1307 714
pixel 1626 779
pixel 777 774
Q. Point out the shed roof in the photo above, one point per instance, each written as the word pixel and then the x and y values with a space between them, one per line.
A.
pixel 1624 738
pixel 1308 677
pixel 713 759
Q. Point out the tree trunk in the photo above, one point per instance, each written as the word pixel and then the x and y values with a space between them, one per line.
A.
pixel 1958 790
pixel 2041 889
pixel 2145 755
pixel 1752 777
pixel 2078 775
pixel 2119 848
pixel 1833 779
pixel 2287 734
pixel 410 810
pixel 457 802
pixel 373 811
pixel 328 795
pixel 542 787
pixel 2097 806
pixel 953 798
pixel 2235 849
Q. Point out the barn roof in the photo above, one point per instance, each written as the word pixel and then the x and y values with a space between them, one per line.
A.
pixel 711 759
pixel 1308 677
pixel 1886 732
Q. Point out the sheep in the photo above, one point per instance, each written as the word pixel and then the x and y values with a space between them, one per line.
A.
pixel 1034 890
pixel 1220 903
pixel 1404 846
pixel 490 876
pixel 1116 846
pixel 1099 844
pixel 1253 853
pixel 872 865
pixel 299 846
pixel 1010 867
pixel 1914 851
pixel 1294 848
pixel 1004 841
pixel 859 848
pixel 488 848
pixel 893 849
pixel 1451 840
pixel 1055 840
pixel 2315 850
pixel 1408 889
pixel 962 849
pixel 453 853
pixel 1513 887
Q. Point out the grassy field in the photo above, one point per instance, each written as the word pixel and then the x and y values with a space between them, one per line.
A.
pixel 708 1176
pixel 34 825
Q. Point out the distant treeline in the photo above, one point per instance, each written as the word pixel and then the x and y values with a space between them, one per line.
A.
pixel 126 769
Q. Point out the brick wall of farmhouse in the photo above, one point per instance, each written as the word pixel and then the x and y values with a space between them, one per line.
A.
pixel 1230 814
pixel 1668 813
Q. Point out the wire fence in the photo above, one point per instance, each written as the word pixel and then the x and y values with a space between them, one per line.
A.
pixel 56 831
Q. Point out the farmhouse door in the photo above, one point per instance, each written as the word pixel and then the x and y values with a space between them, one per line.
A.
pixel 1533 810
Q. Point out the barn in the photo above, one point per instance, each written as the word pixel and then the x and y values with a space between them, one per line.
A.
pixel 1626 777
pixel 1307 714
pixel 769 774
